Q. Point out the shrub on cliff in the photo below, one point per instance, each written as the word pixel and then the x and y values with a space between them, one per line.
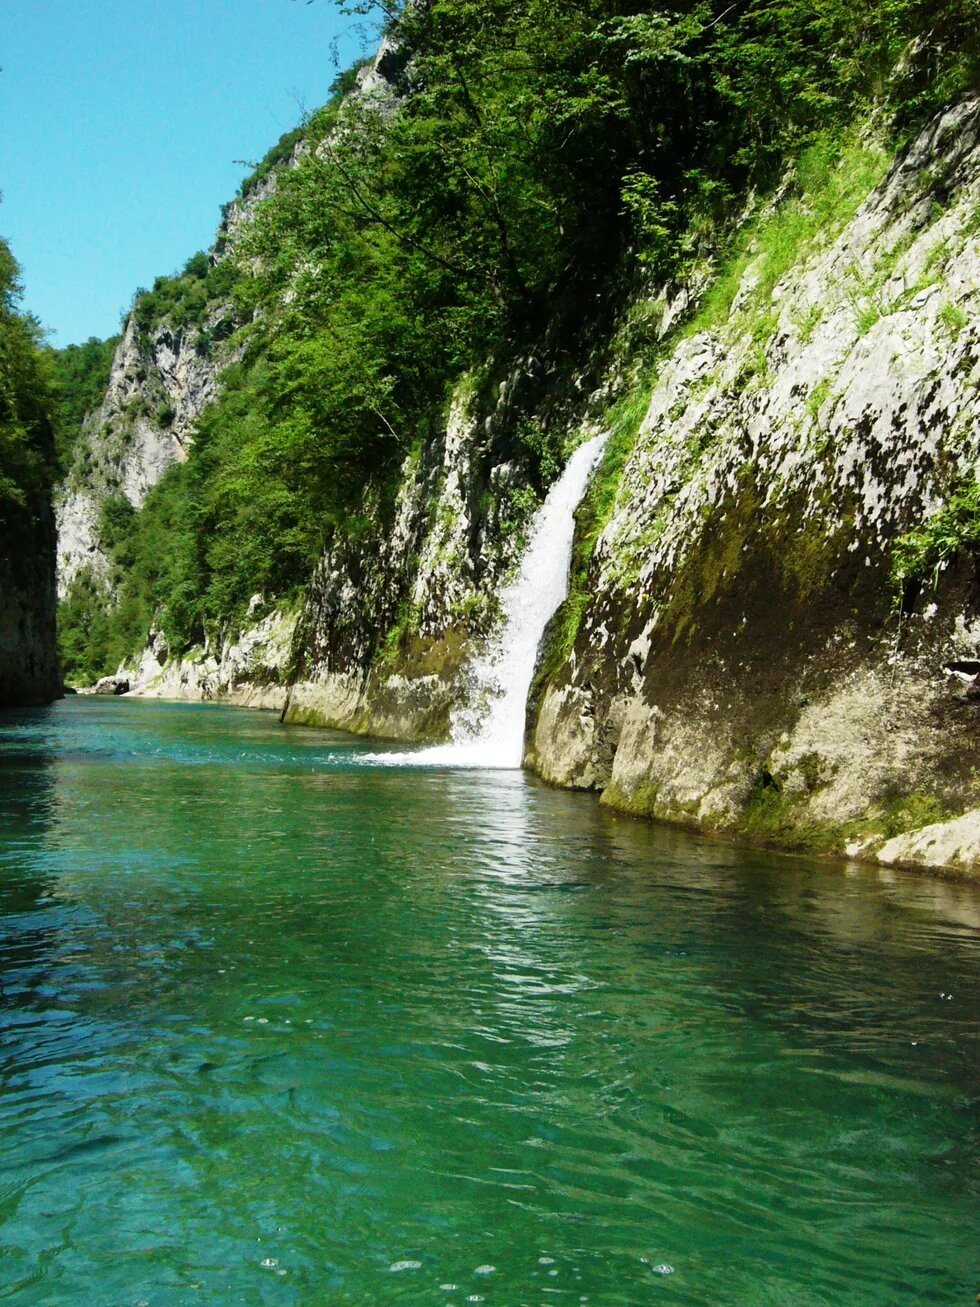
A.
pixel 81 375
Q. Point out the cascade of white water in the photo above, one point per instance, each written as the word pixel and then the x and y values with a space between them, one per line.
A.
pixel 489 731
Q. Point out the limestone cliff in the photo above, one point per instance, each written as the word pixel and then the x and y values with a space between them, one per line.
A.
pixel 387 628
pixel 162 378
pixel 170 361
pixel 28 664
pixel 744 661
pixel 737 654
pixel 250 668
pixel 381 641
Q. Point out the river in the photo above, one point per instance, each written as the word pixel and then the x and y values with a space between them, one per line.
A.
pixel 281 1025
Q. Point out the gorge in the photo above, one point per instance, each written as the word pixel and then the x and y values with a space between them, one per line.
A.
pixel 311 475
pixel 733 655
pixel 573 420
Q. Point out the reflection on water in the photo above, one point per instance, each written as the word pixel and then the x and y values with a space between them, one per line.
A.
pixel 276 1026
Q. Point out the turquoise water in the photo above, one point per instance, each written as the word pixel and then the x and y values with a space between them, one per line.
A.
pixel 282 1027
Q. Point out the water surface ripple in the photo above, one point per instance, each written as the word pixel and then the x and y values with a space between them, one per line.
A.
pixel 279 1027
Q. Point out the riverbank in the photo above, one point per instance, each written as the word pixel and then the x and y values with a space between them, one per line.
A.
pixel 948 849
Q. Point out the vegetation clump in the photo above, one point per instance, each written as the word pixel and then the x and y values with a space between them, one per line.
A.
pixel 184 300
pixel 28 462
pixel 80 376
pixel 953 531
pixel 280 153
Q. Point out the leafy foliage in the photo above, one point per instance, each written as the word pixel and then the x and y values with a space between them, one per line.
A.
pixel 184 300
pixel 274 158
pixel 81 374
pixel 86 642
pixel 831 178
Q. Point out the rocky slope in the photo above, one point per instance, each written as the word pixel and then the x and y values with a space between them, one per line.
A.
pixel 741 664
pixel 381 642
pixel 160 382
pixel 168 368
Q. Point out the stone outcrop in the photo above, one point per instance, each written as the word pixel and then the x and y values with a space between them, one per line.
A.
pixel 110 685
pixel 163 377
pixel 944 846
pixel 251 669
pixel 387 627
pixel 160 383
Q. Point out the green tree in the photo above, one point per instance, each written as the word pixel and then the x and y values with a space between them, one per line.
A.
pixel 26 433
pixel 81 375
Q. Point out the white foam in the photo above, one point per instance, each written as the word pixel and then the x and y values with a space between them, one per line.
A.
pixel 489 731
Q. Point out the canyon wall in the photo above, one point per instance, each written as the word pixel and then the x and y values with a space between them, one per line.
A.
pixel 747 660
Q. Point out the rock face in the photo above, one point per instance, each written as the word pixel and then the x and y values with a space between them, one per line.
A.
pixel 943 846
pixel 388 621
pixel 741 663
pixel 160 383
pixel 28 664
pixel 387 627
pixel 164 376
pixel 111 685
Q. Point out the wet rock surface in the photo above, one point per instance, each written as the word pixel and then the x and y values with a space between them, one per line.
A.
pixel 111 685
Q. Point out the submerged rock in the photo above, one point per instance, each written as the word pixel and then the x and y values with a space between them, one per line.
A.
pixel 111 685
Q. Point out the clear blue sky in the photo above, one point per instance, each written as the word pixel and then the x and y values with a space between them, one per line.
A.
pixel 120 121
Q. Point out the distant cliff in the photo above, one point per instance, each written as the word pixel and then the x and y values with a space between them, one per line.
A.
pixel 163 375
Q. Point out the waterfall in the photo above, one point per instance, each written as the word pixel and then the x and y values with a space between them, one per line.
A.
pixel 489 730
